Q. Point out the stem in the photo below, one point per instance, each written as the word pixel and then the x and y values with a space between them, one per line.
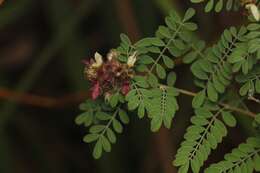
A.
pixel 243 160
pixel 227 106
pixel 109 123
pixel 64 101
pixel 165 48
pixel 204 134
pixel 252 98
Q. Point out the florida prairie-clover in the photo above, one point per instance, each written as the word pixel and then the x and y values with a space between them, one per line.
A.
pixel 139 78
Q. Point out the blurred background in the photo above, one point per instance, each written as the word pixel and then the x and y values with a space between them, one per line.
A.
pixel 42 84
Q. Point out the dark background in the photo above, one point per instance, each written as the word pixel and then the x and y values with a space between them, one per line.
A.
pixel 41 84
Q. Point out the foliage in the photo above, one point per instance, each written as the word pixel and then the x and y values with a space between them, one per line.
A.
pixel 233 62
pixel 204 135
pixel 244 158
pixel 214 72
pixel 102 135
pixel 219 5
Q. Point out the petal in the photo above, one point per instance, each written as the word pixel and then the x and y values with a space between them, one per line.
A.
pixel 125 88
pixel 254 11
pixel 95 91
pixel 98 59
pixel 132 59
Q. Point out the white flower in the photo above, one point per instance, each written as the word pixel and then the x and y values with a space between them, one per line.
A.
pixel 98 59
pixel 131 60
pixel 254 11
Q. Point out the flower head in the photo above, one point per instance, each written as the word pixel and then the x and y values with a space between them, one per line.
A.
pixel 109 76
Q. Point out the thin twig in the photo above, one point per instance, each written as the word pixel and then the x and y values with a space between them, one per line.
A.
pixel 227 106
pixel 42 101
pixel 64 101
pixel 254 99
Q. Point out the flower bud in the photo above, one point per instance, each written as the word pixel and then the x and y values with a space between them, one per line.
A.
pixel 131 60
pixel 254 11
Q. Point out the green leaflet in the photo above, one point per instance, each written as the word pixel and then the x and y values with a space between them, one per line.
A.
pixel 124 48
pixel 218 5
pixel 138 98
pixel 242 59
pixel 103 126
pixel 104 135
pixel 171 40
pixel 254 38
pixel 153 41
pixel 196 48
pixel 229 119
pixel 245 58
pixel 250 83
pixel 244 158
pixel 171 79
pixel 124 38
pixel 162 108
pixel 90 109
pixel 256 124
pixel 199 99
pixel 205 133
pixel 159 103
pixel 213 68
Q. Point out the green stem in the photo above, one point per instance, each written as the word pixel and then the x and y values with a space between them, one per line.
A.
pixel 204 134
pixel 109 123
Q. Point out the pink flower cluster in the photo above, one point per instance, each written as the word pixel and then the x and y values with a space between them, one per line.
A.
pixel 107 77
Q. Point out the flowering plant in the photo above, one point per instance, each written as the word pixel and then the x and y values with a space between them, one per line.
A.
pixel 139 78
